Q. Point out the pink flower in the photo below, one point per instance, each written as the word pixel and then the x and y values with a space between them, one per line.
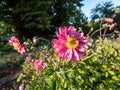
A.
pixel 28 58
pixel 17 46
pixel 39 64
pixel 21 50
pixel 71 44
pixel 112 26
pixel 109 20
pixel 14 40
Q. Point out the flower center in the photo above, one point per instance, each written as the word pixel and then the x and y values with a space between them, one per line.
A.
pixel 16 47
pixel 39 64
pixel 72 42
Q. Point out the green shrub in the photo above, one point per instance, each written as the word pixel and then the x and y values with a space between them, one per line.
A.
pixel 100 69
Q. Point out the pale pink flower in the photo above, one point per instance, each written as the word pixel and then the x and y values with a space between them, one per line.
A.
pixel 28 58
pixel 17 46
pixel 109 20
pixel 39 64
pixel 112 26
pixel 71 44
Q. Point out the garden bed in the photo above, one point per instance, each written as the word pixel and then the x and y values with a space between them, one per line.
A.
pixel 9 70
pixel 8 81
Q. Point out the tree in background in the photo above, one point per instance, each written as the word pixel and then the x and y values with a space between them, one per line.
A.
pixel 67 12
pixel 28 17
pixel 104 9
pixel 41 17
pixel 117 17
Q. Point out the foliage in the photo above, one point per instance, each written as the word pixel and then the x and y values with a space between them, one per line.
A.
pixel 99 69
pixel 68 13
pixel 8 59
pixel 5 28
pixel 40 17
pixel 104 9
pixel 33 15
pixel 5 34
pixel 117 16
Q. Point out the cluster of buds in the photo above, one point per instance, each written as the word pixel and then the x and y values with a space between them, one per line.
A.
pixel 111 22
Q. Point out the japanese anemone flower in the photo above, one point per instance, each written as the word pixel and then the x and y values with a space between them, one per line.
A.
pixel 28 58
pixel 71 44
pixel 14 40
pixel 39 64
pixel 17 46
pixel 109 20
pixel 112 26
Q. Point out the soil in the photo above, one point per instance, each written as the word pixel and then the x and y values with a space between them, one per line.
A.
pixel 8 76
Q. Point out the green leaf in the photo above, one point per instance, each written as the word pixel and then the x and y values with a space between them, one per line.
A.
pixel 106 74
pixel 104 66
pixel 111 73
pixel 115 78
pixel 51 83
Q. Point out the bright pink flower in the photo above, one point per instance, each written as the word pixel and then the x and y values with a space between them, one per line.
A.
pixel 17 46
pixel 112 26
pixel 39 64
pixel 21 50
pixel 71 44
pixel 109 20
pixel 14 40
pixel 28 58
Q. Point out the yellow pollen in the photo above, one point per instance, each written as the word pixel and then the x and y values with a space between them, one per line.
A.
pixel 16 47
pixel 72 42
pixel 39 64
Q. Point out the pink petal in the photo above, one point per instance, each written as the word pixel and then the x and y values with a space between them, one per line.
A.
pixel 75 55
pixel 113 26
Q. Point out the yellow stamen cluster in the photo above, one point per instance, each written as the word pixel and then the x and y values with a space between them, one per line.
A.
pixel 39 64
pixel 72 42
pixel 16 46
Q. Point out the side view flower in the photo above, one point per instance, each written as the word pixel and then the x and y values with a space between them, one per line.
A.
pixel 71 44
pixel 17 46
pixel 112 26
pixel 39 64
pixel 109 20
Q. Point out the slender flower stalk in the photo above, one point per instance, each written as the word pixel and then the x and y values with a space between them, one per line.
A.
pixel 100 27
pixel 97 31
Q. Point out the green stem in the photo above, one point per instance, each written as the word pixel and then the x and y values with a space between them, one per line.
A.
pixel 89 56
pixel 104 33
pixel 100 27
pixel 97 31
